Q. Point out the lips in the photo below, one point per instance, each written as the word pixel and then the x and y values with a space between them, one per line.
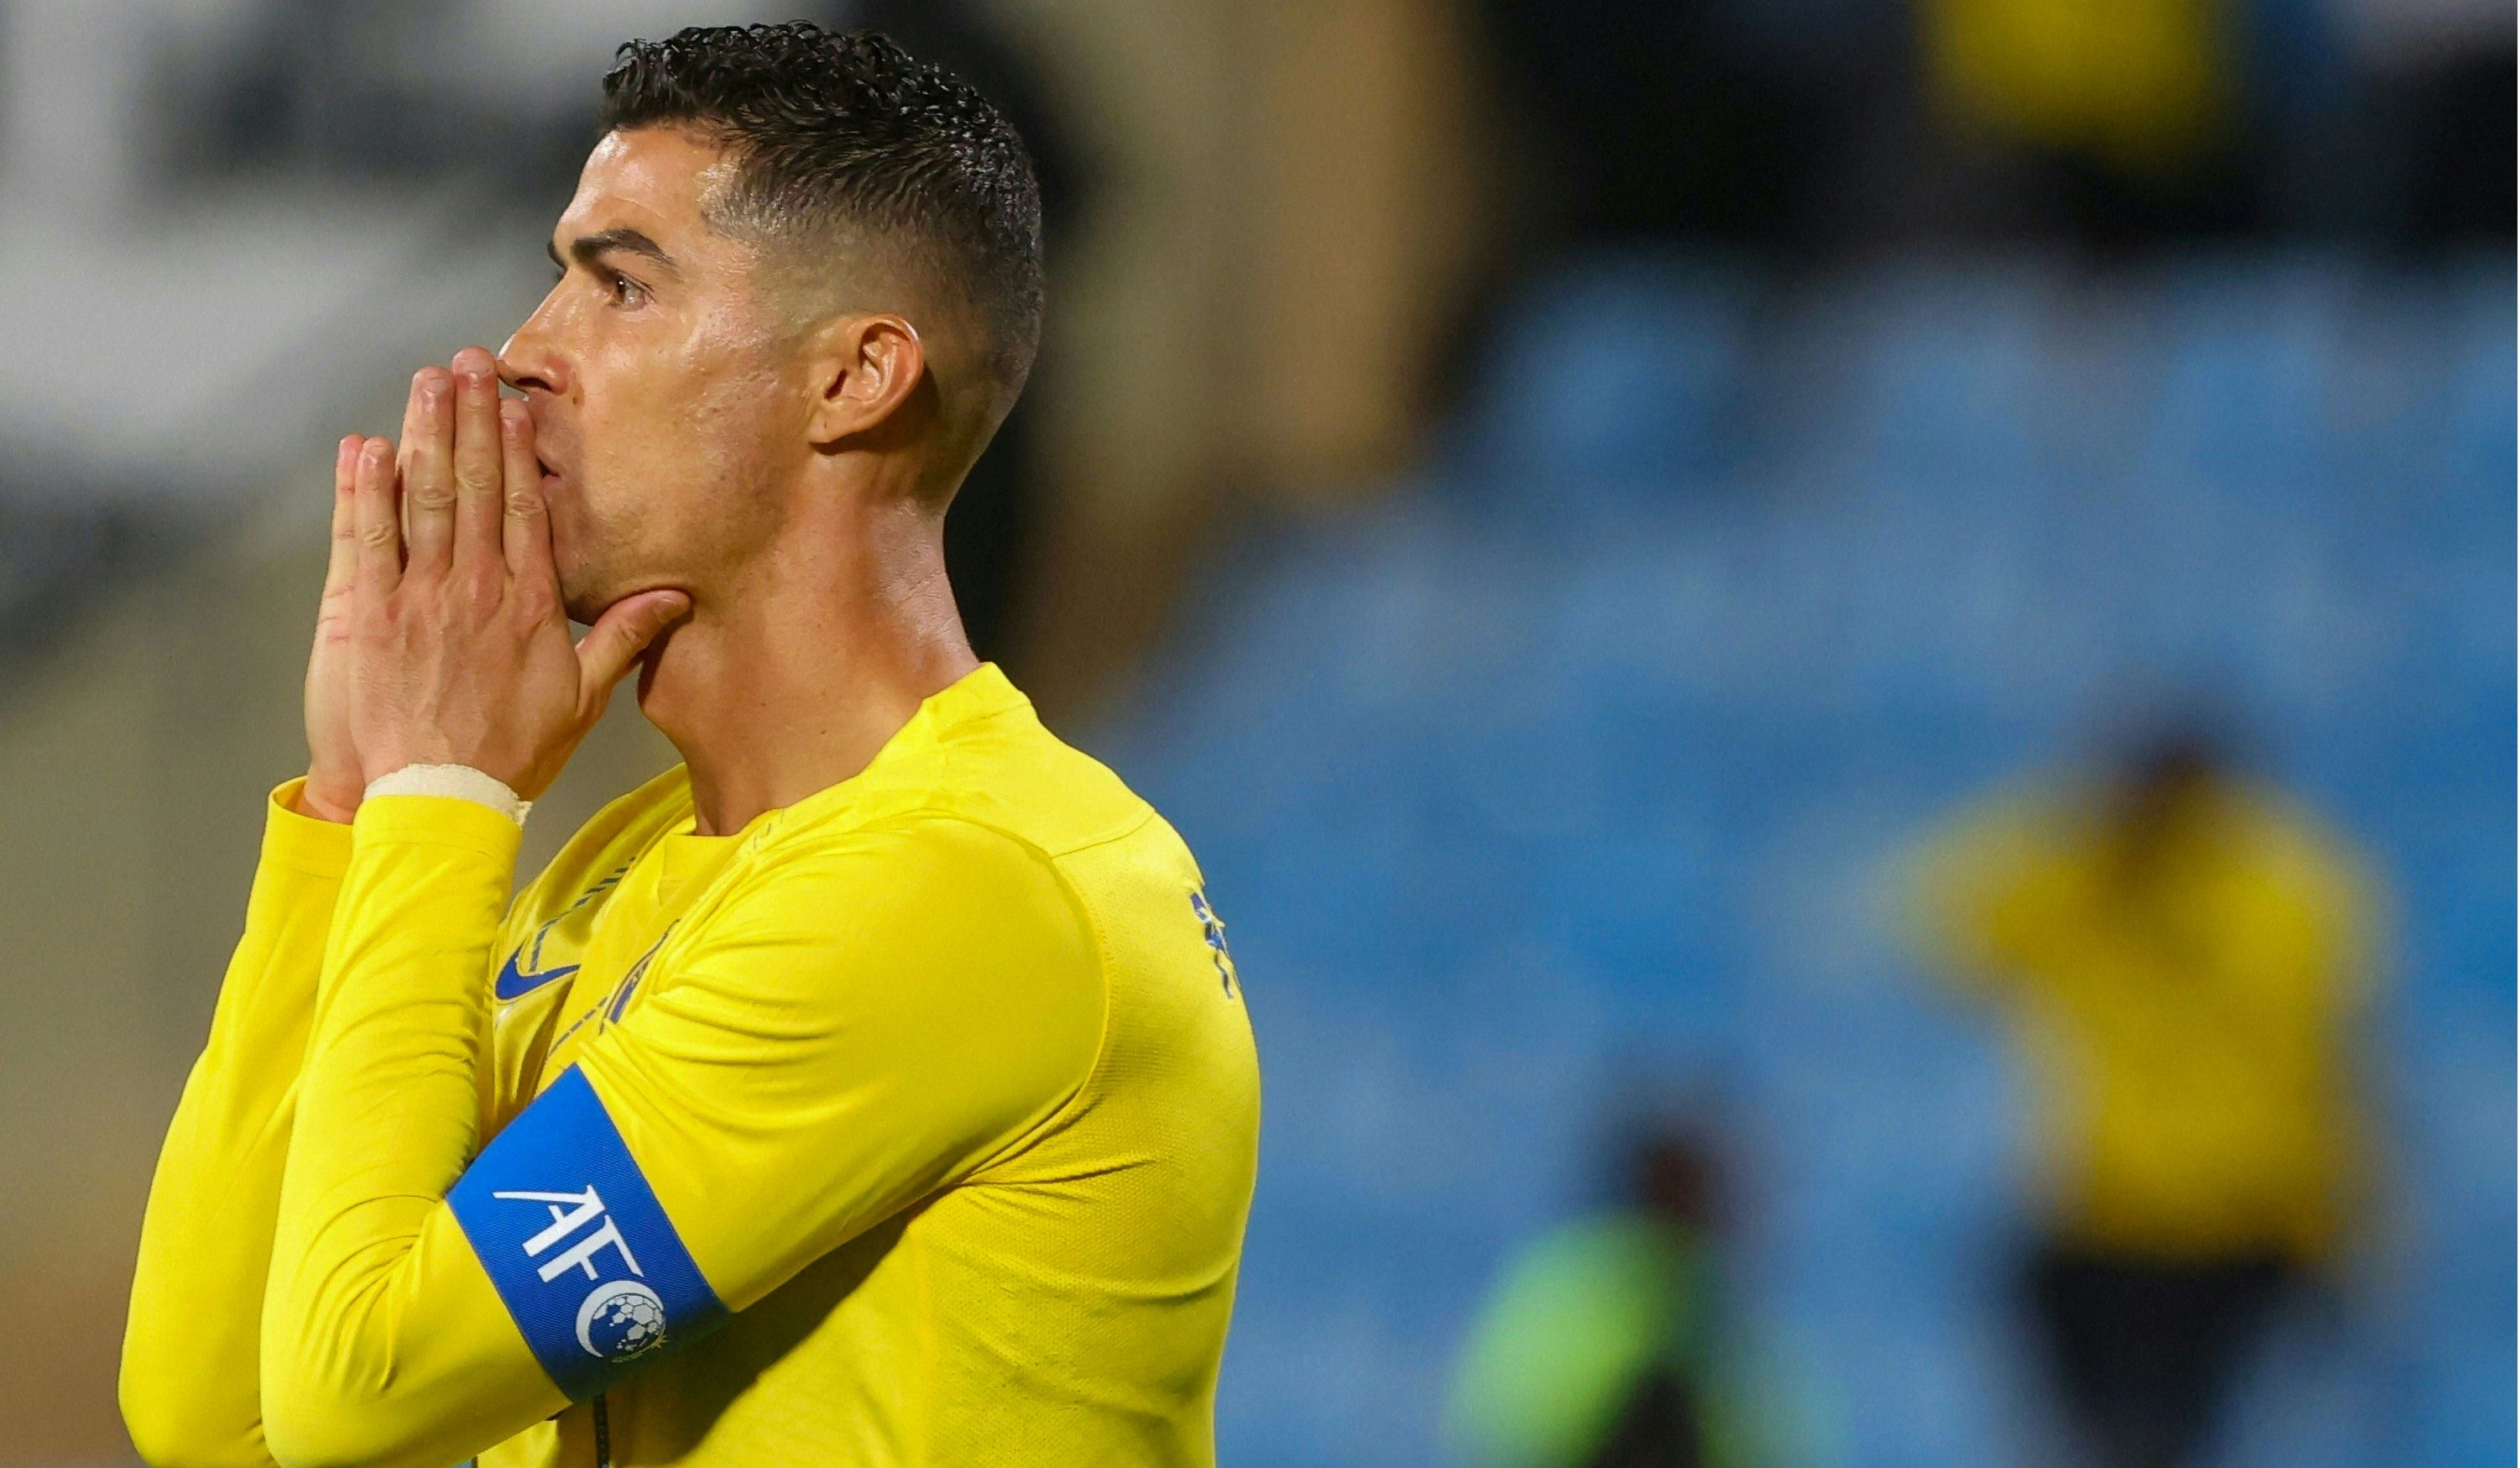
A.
pixel 547 444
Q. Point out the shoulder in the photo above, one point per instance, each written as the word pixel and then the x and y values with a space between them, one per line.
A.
pixel 916 890
pixel 1006 770
pixel 2299 853
pixel 929 854
pixel 1998 841
pixel 936 942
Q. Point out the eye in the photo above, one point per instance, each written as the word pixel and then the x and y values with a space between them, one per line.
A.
pixel 625 290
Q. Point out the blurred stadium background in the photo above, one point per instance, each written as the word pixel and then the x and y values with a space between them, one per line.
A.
pixel 1554 500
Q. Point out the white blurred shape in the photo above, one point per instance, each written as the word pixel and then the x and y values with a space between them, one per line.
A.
pixel 490 50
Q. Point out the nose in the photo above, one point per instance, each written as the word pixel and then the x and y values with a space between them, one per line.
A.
pixel 531 359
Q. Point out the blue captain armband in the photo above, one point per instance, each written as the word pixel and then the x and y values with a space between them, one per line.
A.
pixel 569 1233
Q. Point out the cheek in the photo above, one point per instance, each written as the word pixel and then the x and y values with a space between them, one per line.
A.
pixel 661 403
pixel 728 412
pixel 681 433
pixel 731 427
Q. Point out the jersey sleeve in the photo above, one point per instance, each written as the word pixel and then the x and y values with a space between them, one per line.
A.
pixel 188 1386
pixel 863 1021
pixel 1975 911
pixel 870 1024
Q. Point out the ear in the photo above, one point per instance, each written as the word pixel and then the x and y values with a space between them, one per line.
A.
pixel 864 369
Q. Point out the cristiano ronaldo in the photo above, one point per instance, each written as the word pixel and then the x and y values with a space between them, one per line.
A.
pixel 873 1087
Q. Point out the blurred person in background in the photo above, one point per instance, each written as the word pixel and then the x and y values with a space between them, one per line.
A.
pixel 1661 122
pixel 2185 958
pixel 2115 121
pixel 1609 1342
pixel 2128 123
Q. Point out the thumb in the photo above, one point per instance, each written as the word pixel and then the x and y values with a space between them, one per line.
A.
pixel 619 636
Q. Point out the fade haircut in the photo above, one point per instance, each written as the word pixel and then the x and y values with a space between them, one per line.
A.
pixel 843 135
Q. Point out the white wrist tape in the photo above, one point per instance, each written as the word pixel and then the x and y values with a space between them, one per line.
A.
pixel 461 781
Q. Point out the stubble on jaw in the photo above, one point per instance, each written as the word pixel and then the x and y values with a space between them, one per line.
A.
pixel 689 535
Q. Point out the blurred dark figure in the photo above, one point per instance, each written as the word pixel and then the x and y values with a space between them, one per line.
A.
pixel 2186 959
pixel 2431 132
pixel 1607 1343
pixel 2118 123
pixel 1709 120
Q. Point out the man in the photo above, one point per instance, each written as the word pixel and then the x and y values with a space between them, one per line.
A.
pixel 2186 958
pixel 1608 1341
pixel 872 1088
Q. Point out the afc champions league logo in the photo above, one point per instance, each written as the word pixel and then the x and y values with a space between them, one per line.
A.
pixel 620 1319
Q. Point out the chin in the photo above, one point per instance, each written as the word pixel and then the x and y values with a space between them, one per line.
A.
pixel 582 603
pixel 584 590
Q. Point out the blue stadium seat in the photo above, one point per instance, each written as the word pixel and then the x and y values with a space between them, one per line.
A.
pixel 1590 747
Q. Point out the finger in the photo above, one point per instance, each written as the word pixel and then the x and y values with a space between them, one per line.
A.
pixel 478 458
pixel 428 471
pixel 378 562
pixel 340 567
pixel 524 522
pixel 619 636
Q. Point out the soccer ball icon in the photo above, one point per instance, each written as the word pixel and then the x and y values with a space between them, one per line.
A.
pixel 619 1320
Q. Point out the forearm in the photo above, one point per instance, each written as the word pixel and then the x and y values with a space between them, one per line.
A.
pixel 189 1386
pixel 378 1321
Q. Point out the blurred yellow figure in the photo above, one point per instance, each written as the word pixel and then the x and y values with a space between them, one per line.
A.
pixel 2186 959
pixel 2138 83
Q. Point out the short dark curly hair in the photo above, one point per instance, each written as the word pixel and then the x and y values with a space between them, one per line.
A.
pixel 846 132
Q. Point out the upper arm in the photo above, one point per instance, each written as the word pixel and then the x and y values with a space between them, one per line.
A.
pixel 865 1024
pixel 1974 893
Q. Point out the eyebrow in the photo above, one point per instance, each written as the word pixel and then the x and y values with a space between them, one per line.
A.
pixel 586 248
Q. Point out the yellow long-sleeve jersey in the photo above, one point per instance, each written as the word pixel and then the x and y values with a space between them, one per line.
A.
pixel 915 1123
pixel 2192 1038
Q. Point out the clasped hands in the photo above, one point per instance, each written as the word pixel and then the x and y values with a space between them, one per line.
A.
pixel 441 637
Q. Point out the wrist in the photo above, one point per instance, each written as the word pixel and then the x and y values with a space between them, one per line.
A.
pixel 312 801
pixel 453 781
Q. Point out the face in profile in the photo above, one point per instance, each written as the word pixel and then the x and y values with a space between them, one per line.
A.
pixel 662 411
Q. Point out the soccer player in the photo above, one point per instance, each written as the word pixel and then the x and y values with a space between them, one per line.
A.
pixel 872 1088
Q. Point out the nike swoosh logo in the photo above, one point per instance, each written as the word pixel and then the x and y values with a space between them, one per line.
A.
pixel 515 984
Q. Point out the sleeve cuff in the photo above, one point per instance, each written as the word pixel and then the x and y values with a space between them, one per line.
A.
pixel 460 782
pixel 436 820
pixel 306 843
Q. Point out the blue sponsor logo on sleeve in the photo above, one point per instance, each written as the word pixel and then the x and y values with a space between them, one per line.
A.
pixel 1213 927
pixel 577 1243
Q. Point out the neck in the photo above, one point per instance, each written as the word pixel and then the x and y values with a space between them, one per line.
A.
pixel 793 681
